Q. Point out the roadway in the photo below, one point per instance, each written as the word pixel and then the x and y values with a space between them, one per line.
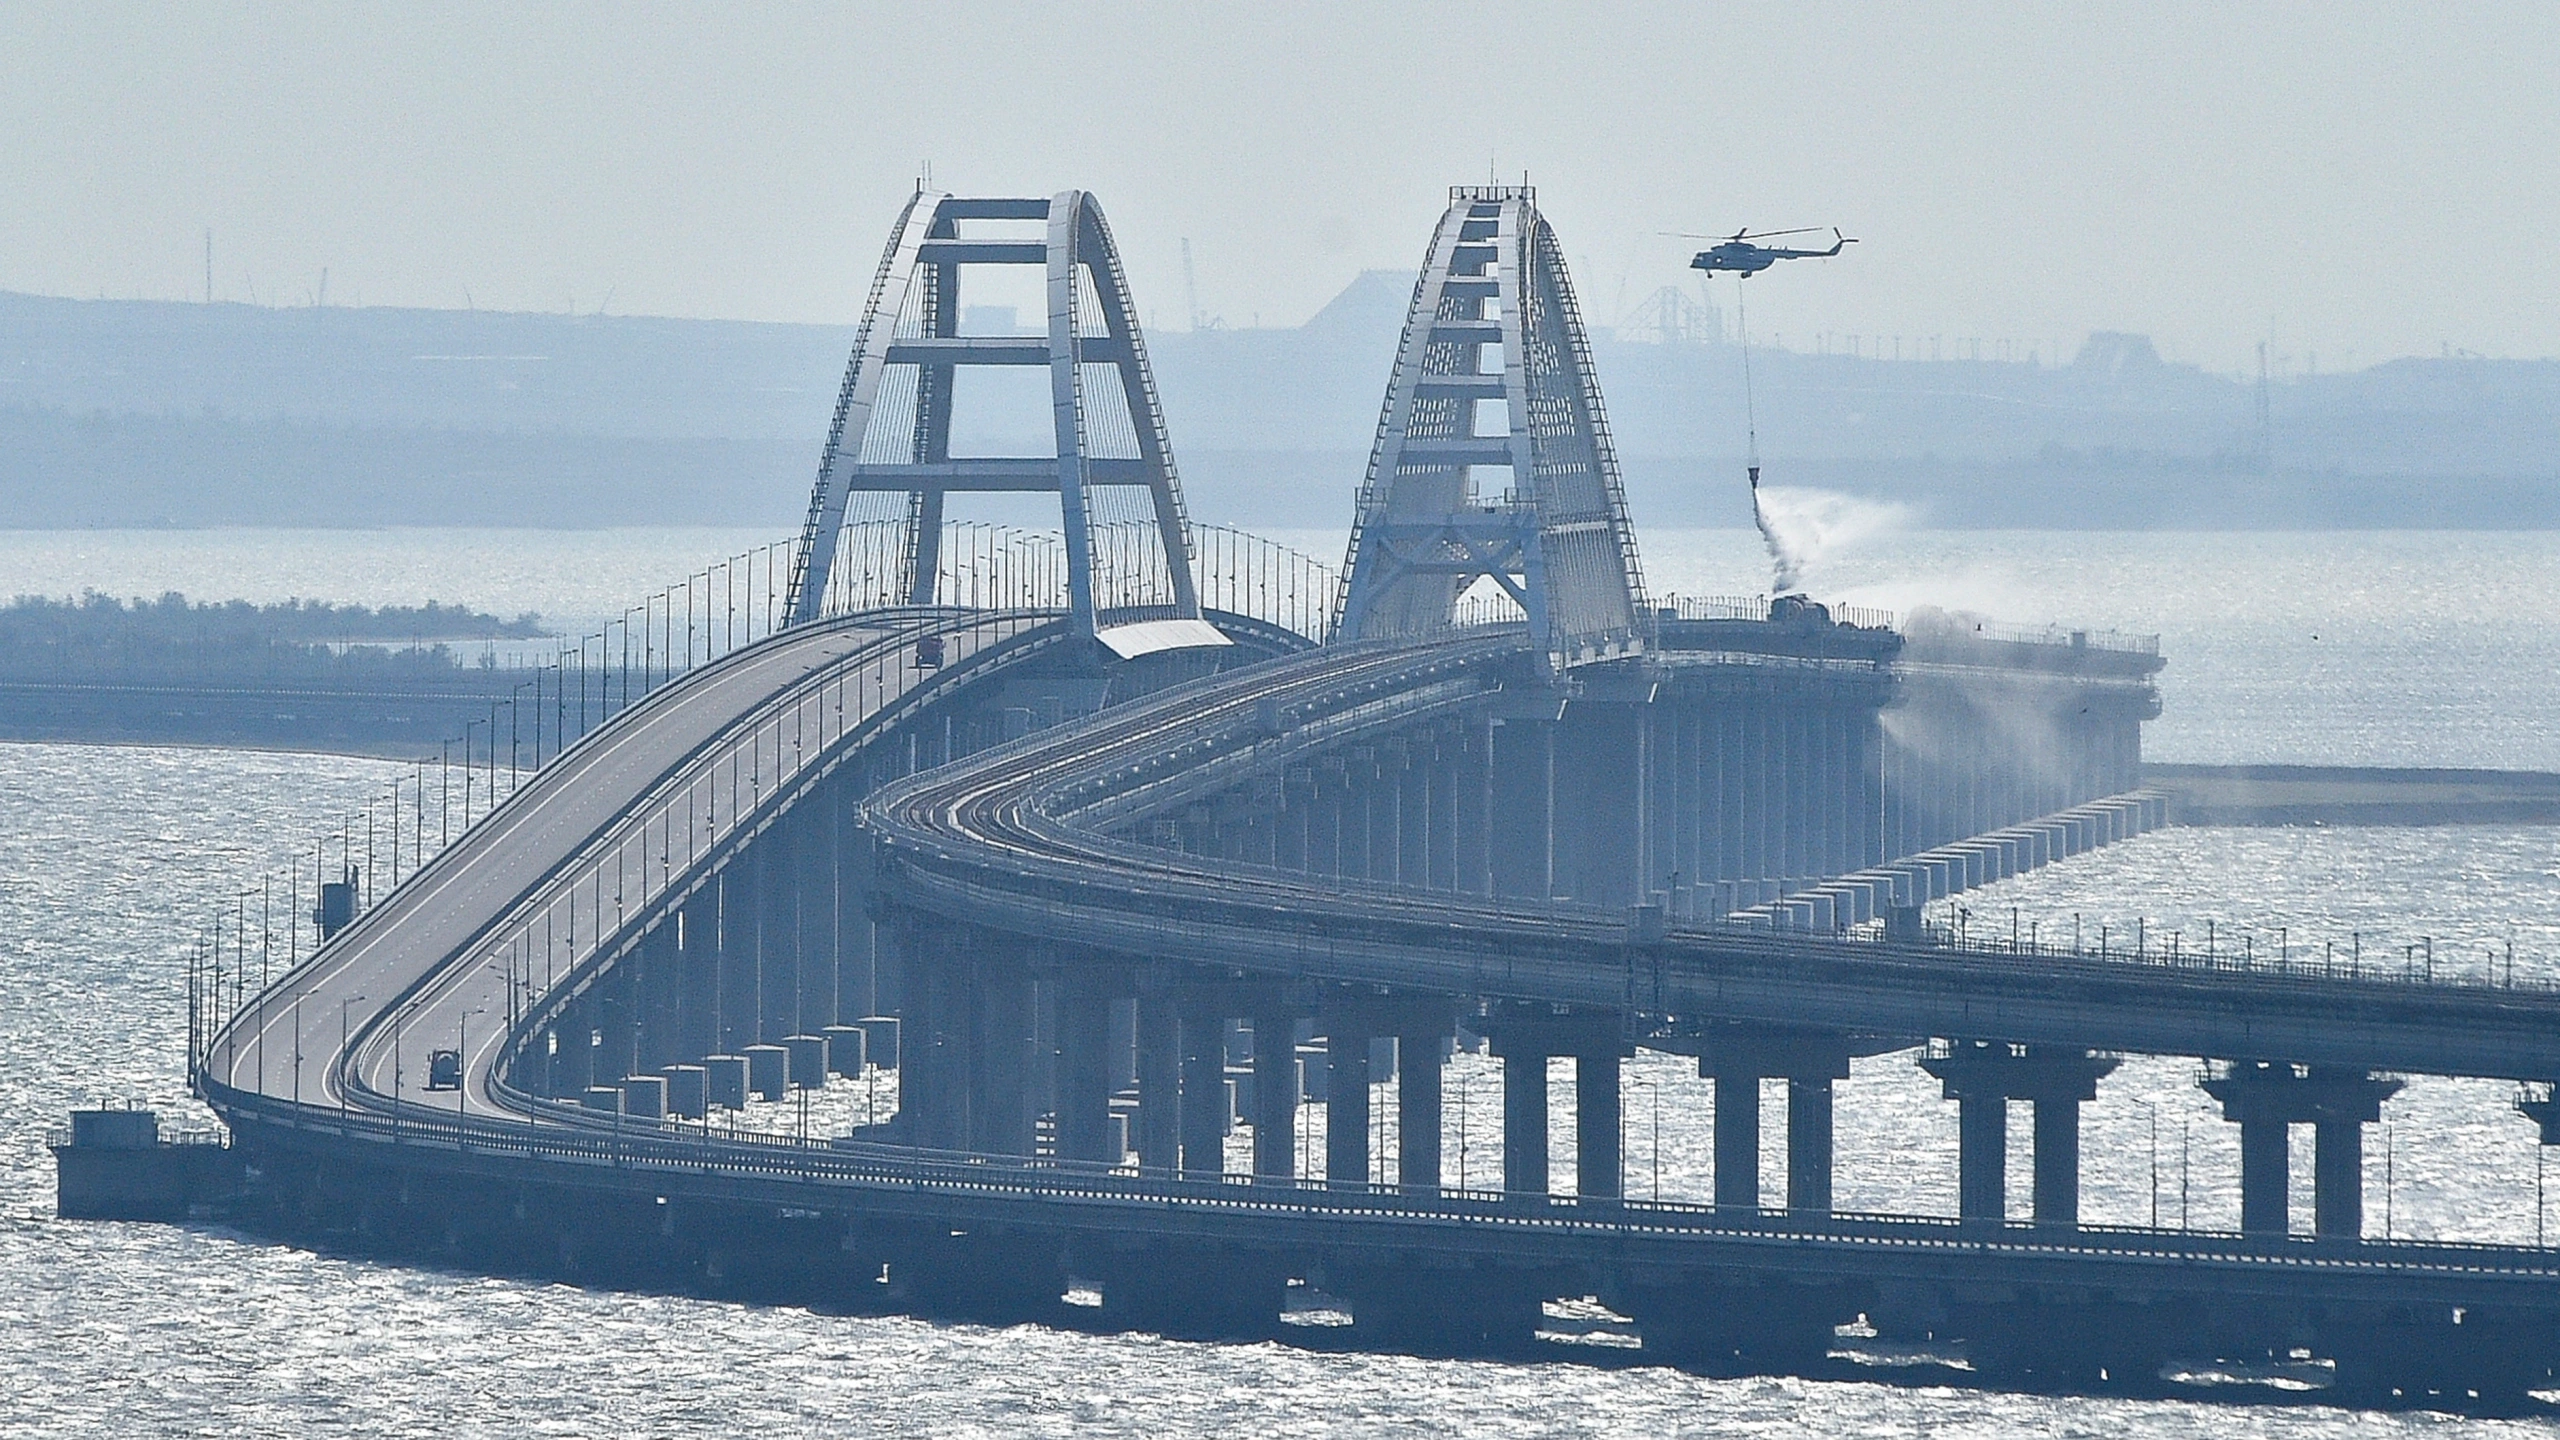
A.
pixel 449 960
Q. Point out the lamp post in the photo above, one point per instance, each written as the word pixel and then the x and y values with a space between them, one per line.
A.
pixel 1653 1092
pixel 1465 1084
pixel 342 1049
pixel 2152 1111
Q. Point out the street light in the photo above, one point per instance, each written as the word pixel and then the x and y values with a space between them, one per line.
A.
pixel 1653 1089
pixel 342 1049
pixel 2153 1112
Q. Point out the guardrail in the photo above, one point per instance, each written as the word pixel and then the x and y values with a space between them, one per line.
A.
pixel 1930 624
pixel 1756 607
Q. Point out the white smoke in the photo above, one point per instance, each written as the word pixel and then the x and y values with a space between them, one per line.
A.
pixel 1805 529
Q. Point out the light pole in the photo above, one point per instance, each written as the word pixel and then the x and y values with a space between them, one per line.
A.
pixel 342 1050
pixel 2153 1112
pixel 1653 1092
pixel 1463 1087
pixel 2183 1122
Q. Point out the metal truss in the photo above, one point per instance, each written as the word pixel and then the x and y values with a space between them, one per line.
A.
pixel 1128 544
pixel 1553 536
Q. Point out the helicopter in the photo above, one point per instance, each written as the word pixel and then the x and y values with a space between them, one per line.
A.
pixel 1739 255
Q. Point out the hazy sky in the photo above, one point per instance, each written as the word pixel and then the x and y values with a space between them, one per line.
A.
pixel 2356 181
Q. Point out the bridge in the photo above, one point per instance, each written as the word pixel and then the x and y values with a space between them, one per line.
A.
pixel 1110 842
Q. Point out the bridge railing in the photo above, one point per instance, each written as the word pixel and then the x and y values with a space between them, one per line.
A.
pixel 1928 622
pixel 1756 607
pixel 261 934
pixel 1244 574
pixel 2269 950
pixel 1005 567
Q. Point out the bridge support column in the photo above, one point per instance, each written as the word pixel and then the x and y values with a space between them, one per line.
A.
pixel 1982 1157
pixel 1599 1166
pixel 1000 1083
pixel 1421 1050
pixel 1084 1069
pixel 737 1007
pixel 1471 808
pixel 2337 1179
pixel 1600 762
pixel 698 1004
pixel 2266 1100
pixel 1524 1117
pixel 776 858
pixel 1737 1060
pixel 1158 1140
pixel 1737 1143
pixel 1275 1097
pixel 1521 818
pixel 1526 1037
pixel 2057 1160
pixel 937 1033
pixel 1809 1150
pixel 1204 1094
pixel 1982 1077
pixel 658 987
pixel 1346 1105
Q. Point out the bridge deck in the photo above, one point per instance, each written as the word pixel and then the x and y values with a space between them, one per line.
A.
pixel 590 838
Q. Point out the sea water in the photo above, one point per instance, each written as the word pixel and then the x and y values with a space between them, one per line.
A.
pixel 2374 649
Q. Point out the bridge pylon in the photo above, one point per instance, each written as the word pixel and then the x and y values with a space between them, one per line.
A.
pixel 875 524
pixel 1493 460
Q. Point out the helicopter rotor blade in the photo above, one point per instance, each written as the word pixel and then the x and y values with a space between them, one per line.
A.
pixel 1776 234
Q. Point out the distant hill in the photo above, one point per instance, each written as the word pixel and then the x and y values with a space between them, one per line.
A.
pixel 125 413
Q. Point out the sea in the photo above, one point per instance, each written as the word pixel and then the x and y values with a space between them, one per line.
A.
pixel 2360 648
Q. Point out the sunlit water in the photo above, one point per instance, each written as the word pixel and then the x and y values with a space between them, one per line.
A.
pixel 107 856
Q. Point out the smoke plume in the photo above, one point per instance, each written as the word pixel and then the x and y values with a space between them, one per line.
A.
pixel 1805 528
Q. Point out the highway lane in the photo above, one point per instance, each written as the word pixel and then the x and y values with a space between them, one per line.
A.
pixel 447 959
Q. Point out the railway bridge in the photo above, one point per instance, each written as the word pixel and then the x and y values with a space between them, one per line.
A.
pixel 1123 848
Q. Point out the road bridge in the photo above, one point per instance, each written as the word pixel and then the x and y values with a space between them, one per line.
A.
pixel 1093 844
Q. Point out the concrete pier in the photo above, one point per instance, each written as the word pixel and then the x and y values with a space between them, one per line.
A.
pixel 1346 1120
pixel 2266 1100
pixel 1737 1059
pixel 1982 1077
pixel 118 1165
pixel 1205 1106
pixel 1275 1097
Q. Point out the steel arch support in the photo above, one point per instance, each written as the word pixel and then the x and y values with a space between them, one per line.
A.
pixel 1559 542
pixel 912 320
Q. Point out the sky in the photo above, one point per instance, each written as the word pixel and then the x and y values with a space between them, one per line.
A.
pixel 2347 182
